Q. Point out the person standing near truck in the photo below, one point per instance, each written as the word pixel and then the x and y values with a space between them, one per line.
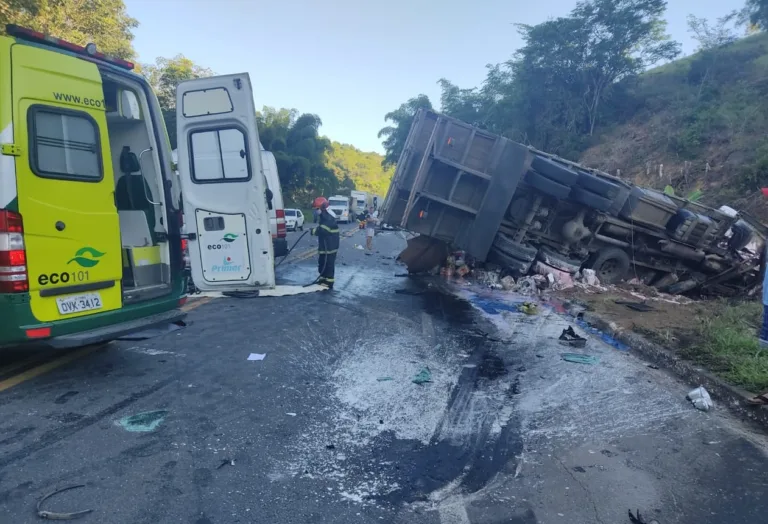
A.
pixel 370 228
pixel 327 233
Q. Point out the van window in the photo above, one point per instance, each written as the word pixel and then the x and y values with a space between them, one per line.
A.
pixel 338 203
pixel 206 102
pixel 290 212
pixel 219 155
pixel 65 144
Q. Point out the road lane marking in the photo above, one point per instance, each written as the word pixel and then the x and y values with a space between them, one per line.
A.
pixel 48 366
pixel 194 303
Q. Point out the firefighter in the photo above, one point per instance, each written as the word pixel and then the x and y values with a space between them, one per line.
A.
pixel 328 242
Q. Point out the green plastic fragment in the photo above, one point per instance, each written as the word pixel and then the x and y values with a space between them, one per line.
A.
pixel 422 377
pixel 578 358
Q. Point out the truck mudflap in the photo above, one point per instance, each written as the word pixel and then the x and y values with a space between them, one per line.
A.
pixel 114 331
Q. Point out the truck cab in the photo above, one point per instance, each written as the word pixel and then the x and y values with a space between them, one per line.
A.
pixel 339 206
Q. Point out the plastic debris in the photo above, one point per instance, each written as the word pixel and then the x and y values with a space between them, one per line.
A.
pixel 143 422
pixel 526 286
pixel 700 399
pixel 590 277
pixel 50 515
pixel 578 358
pixel 508 283
pixel 462 270
pixel 384 379
pixel 639 519
pixel 257 356
pixel 569 338
pixel 358 246
pixel 529 308
pixel 422 377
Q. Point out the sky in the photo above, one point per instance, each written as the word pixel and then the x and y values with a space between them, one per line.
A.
pixel 351 62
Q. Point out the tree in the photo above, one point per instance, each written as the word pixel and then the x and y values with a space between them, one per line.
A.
pixel 103 22
pixel 713 36
pixel 396 134
pixel 164 76
pixel 757 13
pixel 356 169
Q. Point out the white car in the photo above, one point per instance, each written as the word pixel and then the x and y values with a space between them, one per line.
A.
pixel 294 220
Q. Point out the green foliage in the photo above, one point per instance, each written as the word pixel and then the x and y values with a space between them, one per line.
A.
pixel 103 22
pixel 553 92
pixel 359 170
pixel 300 154
pixel 757 12
pixel 396 134
pixel 164 76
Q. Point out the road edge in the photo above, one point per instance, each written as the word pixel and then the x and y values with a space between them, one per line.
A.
pixel 732 397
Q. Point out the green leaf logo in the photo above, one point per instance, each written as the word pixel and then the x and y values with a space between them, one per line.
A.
pixel 229 237
pixel 87 257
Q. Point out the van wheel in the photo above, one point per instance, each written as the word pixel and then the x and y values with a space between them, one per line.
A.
pixel 611 265
pixel 301 228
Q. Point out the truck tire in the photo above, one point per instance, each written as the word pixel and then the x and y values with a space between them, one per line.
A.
pixel 599 186
pixel 560 173
pixel 611 264
pixel 546 185
pixel 512 264
pixel 591 199
pixel 506 245
pixel 558 261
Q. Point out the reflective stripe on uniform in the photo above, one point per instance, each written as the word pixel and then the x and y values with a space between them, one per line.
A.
pixel 329 229
pixel 326 279
pixel 329 252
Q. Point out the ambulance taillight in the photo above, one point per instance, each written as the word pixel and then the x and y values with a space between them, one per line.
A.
pixel 13 257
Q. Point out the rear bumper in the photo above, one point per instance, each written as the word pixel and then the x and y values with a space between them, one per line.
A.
pixel 94 336
pixel 280 246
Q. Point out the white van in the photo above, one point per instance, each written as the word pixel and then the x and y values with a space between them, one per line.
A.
pixel 339 206
pixel 277 213
pixel 220 165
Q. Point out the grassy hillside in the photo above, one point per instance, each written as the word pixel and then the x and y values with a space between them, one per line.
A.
pixel 697 123
pixel 364 169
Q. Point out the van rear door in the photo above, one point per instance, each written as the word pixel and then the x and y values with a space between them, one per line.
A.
pixel 225 205
pixel 65 185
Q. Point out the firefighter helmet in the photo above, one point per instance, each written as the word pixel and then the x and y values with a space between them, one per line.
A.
pixel 320 203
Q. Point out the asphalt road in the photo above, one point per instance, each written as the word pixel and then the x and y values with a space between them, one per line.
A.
pixel 331 428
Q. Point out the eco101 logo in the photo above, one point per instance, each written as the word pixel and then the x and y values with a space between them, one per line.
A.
pixel 224 243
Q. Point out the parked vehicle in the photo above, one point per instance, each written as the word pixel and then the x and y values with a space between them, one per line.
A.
pixel 277 223
pixel 339 205
pixel 294 219
pixel 518 207
pixel 90 230
pixel 359 203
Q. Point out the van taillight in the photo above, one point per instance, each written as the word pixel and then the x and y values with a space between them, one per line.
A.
pixel 281 230
pixel 13 258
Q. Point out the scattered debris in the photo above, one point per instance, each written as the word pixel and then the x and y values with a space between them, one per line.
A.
pixel 578 358
pixel 759 400
pixel 652 366
pixel 700 399
pixel 526 286
pixel 257 356
pixel 507 283
pixel 330 446
pixel 569 338
pixel 358 246
pixel 636 306
pixel 529 308
pixel 143 422
pixel 384 379
pixel 423 253
pixel 462 271
pixel 226 462
pixel 590 277
pixel 402 274
pixel 291 414
pixel 50 515
pixel 490 279
pixel 422 377
pixel 639 519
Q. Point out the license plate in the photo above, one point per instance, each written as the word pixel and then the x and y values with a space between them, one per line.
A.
pixel 79 303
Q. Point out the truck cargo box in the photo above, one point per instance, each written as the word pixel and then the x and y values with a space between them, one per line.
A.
pixel 454 182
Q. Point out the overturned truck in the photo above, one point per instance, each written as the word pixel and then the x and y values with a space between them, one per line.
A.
pixel 515 206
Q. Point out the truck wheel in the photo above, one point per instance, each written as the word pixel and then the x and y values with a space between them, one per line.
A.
pixel 512 264
pixel 511 248
pixel 610 264
pixel 558 261
pixel 546 185
pixel 591 199
pixel 554 171
pixel 599 186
